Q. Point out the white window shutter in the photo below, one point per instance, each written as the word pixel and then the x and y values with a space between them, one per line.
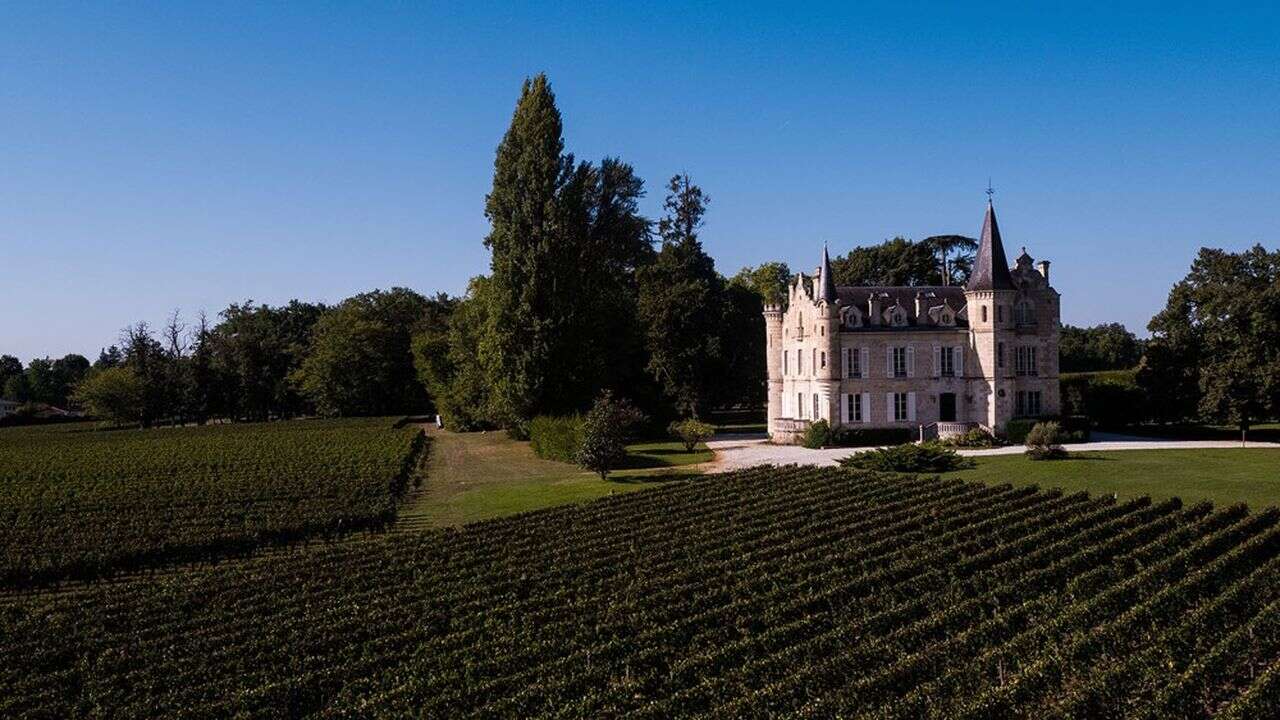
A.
pixel 888 362
pixel 937 361
pixel 844 409
pixel 911 407
pixel 864 356
pixel 911 361
pixel 865 399
pixel 889 414
pixel 958 359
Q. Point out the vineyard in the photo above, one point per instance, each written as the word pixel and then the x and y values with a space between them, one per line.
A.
pixel 76 503
pixel 771 591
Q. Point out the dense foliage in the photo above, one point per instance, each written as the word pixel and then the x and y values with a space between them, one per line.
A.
pixel 901 261
pixel 1102 347
pixel 78 503
pixel 604 432
pixel 817 435
pixel 909 457
pixel 556 437
pixel 1214 353
pixel 1044 442
pixel 764 592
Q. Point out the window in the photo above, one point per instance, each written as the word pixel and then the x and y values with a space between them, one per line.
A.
pixel 815 406
pixel 1024 361
pixel 786 362
pixel 948 364
pixel 800 405
pixel 824 359
pixel 853 362
pixel 900 362
pixel 799 361
pixel 1000 354
pixel 999 313
pixel 1027 403
pixel 899 407
pixel 1024 313
pixel 984 313
pixel 813 359
pixel 853 408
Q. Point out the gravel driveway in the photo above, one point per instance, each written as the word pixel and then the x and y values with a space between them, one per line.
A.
pixel 734 452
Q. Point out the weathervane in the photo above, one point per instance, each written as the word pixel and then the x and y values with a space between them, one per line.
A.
pixel 990 190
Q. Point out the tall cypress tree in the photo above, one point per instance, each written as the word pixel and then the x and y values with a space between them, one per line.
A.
pixel 527 261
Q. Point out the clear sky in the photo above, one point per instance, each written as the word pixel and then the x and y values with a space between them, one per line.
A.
pixel 188 155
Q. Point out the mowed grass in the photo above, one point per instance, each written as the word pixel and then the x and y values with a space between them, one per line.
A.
pixel 476 476
pixel 1224 476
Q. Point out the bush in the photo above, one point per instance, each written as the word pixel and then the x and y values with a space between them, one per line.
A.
pixel 690 432
pixel 873 437
pixel 817 435
pixel 909 457
pixel 556 437
pixel 1073 429
pixel 1044 442
pixel 604 432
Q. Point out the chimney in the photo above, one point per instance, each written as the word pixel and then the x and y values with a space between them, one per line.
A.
pixel 873 309
pixel 921 311
pixel 1043 267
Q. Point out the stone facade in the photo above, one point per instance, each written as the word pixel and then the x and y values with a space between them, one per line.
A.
pixel 936 360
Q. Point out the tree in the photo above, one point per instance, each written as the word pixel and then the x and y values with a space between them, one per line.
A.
pixel 768 280
pixel 253 351
pixel 1221 328
pixel 144 355
pixel 527 259
pixel 10 367
pixel 109 357
pixel 681 304
pixel 954 270
pixel 448 362
pixel 359 361
pixel 1101 347
pixel 894 262
pixel 113 393
pixel 604 432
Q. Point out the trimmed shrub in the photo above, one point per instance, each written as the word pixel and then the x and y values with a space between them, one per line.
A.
pixel 817 435
pixel 873 437
pixel 1044 442
pixel 556 437
pixel 690 432
pixel 910 457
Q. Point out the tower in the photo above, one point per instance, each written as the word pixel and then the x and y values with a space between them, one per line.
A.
pixel 773 349
pixel 827 375
pixel 989 296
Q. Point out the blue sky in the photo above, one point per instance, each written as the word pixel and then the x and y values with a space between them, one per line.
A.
pixel 188 155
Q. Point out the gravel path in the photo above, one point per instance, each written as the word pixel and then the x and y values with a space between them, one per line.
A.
pixel 740 451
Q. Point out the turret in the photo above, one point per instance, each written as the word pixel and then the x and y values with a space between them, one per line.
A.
pixel 989 296
pixel 773 361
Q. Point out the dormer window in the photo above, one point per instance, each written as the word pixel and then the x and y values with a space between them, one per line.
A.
pixel 946 317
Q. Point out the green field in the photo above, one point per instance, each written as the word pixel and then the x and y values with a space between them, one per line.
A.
pixel 1223 476
pixel 476 476
pixel 811 592
pixel 77 503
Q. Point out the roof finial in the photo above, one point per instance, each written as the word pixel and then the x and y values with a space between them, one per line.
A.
pixel 990 190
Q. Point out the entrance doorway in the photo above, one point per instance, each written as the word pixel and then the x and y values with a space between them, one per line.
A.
pixel 947 407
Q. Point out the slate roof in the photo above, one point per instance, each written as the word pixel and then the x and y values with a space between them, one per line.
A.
pixel 935 296
pixel 990 268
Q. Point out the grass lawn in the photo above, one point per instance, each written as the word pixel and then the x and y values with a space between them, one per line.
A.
pixel 1224 476
pixel 474 476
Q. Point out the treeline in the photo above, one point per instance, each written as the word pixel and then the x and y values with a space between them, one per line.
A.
pixel 260 362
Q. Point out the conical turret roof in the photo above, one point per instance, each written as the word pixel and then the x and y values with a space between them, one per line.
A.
pixel 990 268
pixel 826 281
